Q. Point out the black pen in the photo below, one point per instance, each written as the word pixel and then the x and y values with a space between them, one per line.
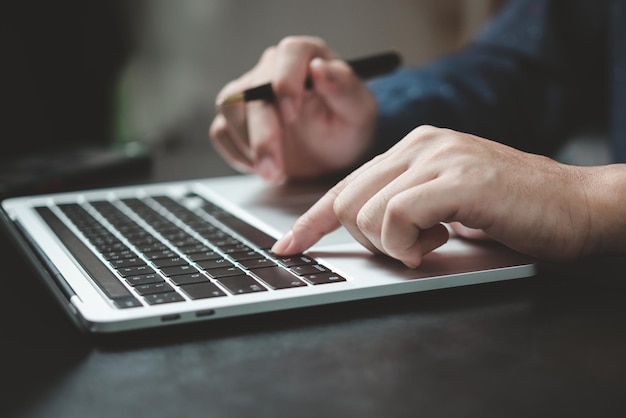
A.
pixel 366 67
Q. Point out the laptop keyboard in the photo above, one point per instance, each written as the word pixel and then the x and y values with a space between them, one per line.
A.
pixel 155 250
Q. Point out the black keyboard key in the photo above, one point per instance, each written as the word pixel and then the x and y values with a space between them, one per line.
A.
pixel 135 271
pixel 257 263
pixel 185 242
pixel 176 270
pixel 139 237
pixel 143 279
pixel 223 272
pixel 235 248
pixel 106 248
pixel 145 242
pixel 241 284
pixel 127 262
pixel 323 278
pixel 309 269
pixel 202 290
pixel 245 255
pixel 103 242
pixel 226 242
pixel 215 263
pixel 169 262
pixel 194 248
pixel 155 255
pixel 175 233
pixel 278 278
pixel 183 279
pixel 295 260
pixel 204 255
pixel 129 302
pixel 153 246
pixel 160 298
pixel 213 234
pixel 212 209
pixel 149 289
pixel 116 255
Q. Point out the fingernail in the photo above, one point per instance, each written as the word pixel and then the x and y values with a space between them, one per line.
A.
pixel 288 109
pixel 410 265
pixel 283 243
pixel 266 168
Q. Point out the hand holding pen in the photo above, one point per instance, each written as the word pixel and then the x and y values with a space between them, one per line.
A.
pixel 365 67
pixel 316 118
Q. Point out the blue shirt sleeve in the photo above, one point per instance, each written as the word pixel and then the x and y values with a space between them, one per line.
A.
pixel 529 79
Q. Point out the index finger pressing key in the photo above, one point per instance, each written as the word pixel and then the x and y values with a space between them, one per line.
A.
pixel 312 226
pixel 318 221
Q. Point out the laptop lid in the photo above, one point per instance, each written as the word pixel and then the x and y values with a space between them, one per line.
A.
pixel 270 209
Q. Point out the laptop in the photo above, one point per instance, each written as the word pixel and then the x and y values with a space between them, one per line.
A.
pixel 155 255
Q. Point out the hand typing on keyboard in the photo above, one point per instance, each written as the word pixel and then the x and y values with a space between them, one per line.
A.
pixel 397 203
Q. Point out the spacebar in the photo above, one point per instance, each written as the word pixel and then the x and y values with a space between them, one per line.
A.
pixel 249 232
pixel 99 272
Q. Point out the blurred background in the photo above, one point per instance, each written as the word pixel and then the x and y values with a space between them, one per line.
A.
pixel 185 51
pixel 148 71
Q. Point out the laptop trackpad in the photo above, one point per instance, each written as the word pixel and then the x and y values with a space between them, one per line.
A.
pixel 456 257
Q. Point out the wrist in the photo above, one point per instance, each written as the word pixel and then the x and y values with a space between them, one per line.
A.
pixel 605 189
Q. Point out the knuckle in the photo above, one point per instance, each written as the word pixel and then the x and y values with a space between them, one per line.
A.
pixel 396 208
pixel 297 42
pixel 365 223
pixel 268 53
pixel 341 208
pixel 426 131
pixel 440 136
pixel 229 88
pixel 290 42
pixel 440 143
pixel 423 135
pixel 217 128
